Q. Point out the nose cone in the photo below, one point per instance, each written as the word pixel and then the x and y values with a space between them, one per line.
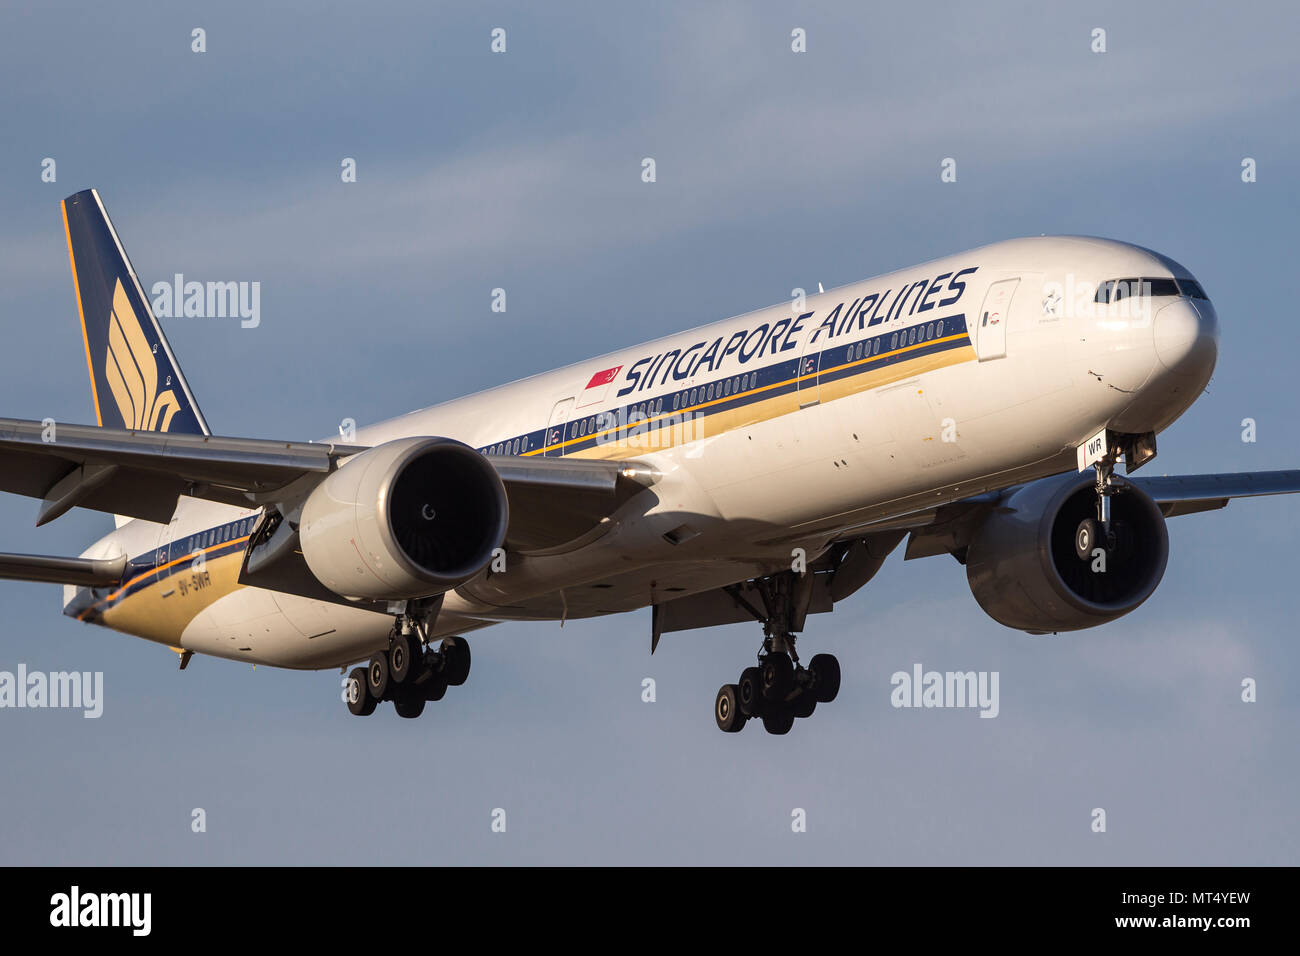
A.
pixel 1187 338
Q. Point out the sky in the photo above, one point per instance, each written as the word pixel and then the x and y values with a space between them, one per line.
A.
pixel 774 170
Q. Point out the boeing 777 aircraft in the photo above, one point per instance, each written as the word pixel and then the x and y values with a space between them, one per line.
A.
pixel 757 469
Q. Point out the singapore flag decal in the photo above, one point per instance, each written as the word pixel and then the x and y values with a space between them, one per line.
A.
pixel 599 384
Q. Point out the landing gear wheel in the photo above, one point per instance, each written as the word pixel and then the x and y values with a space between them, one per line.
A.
pixel 826 677
pixel 377 679
pixel 750 690
pixel 1122 540
pixel 360 703
pixel 778 677
pixel 1087 538
pixel 804 703
pixel 435 688
pixel 779 722
pixel 404 658
pixel 409 702
pixel 455 661
pixel 726 709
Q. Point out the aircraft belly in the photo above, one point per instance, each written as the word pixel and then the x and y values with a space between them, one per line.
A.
pixel 253 625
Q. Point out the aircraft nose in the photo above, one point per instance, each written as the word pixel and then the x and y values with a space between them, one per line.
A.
pixel 1187 337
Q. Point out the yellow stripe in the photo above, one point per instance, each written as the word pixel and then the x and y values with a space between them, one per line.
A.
pixel 753 391
pixel 158 570
pixel 711 426
pixel 85 339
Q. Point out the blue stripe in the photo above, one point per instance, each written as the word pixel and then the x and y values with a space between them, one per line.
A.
pixel 771 381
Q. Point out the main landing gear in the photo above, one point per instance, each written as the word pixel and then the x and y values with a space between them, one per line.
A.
pixel 779 688
pixel 410 673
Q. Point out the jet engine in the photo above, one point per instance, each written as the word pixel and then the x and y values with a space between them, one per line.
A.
pixel 1040 563
pixel 411 518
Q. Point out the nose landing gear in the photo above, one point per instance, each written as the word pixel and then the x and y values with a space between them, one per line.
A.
pixel 1103 451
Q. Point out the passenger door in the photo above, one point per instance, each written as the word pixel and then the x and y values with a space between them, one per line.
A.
pixel 807 373
pixel 560 414
pixel 991 323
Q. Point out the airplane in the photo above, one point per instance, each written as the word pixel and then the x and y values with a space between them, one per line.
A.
pixel 758 469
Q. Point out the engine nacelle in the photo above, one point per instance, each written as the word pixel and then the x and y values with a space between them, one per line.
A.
pixel 411 518
pixel 1023 569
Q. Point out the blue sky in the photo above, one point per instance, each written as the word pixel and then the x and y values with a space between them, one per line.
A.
pixel 775 170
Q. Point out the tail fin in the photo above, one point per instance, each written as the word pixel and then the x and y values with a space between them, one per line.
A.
pixel 134 378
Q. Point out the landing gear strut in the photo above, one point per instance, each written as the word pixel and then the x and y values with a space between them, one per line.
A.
pixel 410 673
pixel 779 689
pixel 1102 532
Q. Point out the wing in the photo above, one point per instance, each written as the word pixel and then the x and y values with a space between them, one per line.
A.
pixel 1188 494
pixel 141 474
pixel 948 528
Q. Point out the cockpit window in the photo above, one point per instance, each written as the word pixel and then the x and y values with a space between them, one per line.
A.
pixel 1192 289
pixel 1117 289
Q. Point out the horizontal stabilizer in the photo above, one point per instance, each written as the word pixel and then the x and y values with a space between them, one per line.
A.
pixel 83 572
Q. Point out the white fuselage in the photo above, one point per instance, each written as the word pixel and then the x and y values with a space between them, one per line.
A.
pixel 962 375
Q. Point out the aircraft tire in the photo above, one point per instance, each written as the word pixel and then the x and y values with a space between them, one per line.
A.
pixel 456 661
pixel 750 689
pixel 778 677
pixel 826 677
pixel 779 722
pixel 364 704
pixel 408 703
pixel 726 709
pixel 404 658
pixel 377 679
